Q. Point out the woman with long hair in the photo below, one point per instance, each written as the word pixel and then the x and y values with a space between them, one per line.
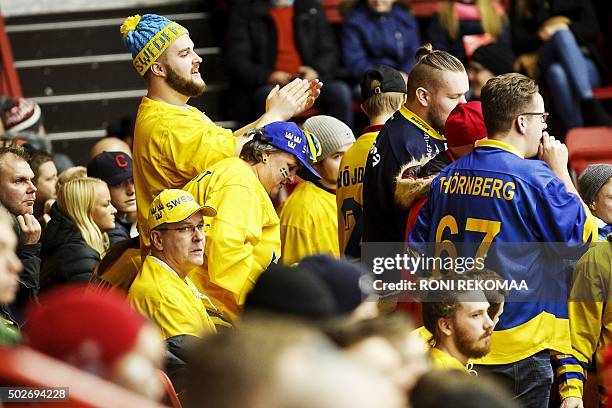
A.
pixel 462 25
pixel 75 238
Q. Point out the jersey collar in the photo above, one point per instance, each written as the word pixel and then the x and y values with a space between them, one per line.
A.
pixel 420 123
pixel 500 145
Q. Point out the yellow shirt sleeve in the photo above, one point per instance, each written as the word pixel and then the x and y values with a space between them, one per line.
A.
pixel 231 239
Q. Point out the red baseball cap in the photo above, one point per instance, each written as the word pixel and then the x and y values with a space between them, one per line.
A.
pixel 465 124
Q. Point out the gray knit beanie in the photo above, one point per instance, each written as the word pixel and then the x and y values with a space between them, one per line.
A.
pixel 592 180
pixel 331 133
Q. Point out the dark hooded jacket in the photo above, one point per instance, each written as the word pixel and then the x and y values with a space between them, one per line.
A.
pixel 66 257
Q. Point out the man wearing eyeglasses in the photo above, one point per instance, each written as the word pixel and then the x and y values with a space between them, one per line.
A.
pixel 162 291
pixel 532 214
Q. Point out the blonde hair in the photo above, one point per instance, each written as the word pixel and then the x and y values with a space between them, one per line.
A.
pixel 491 21
pixel 430 64
pixel 70 174
pixel 382 103
pixel 77 199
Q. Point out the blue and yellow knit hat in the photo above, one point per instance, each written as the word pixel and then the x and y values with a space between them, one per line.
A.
pixel 147 37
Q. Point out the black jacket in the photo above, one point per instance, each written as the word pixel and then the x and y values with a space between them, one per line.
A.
pixel 252 41
pixel 120 233
pixel 66 257
pixel 29 255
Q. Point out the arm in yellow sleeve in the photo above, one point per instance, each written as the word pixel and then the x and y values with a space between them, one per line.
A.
pixel 231 239
pixel 587 319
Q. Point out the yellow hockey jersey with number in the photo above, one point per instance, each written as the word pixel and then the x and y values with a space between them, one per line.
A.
pixel 172 145
pixel 308 223
pixel 243 238
pixel 349 197
pixel 174 304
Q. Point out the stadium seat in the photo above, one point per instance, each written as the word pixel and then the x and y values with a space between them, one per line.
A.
pixel 588 146
pixel 24 367
pixel 170 391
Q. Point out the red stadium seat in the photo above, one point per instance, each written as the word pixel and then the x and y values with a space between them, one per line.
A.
pixel 170 391
pixel 588 146
pixel 24 367
pixel 603 93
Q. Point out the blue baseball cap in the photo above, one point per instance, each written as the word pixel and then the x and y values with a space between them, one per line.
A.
pixel 287 136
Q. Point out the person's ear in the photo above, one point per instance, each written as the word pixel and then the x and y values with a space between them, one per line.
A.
pixel 423 96
pixel 521 124
pixel 265 157
pixel 592 207
pixel 158 69
pixel 157 241
pixel 445 326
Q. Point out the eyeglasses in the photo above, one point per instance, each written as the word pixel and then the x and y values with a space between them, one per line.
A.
pixel 543 115
pixel 191 229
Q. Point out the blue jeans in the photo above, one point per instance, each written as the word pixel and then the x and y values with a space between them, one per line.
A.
pixel 530 379
pixel 570 76
pixel 335 100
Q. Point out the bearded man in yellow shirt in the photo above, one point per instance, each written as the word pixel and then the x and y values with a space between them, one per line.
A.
pixel 174 142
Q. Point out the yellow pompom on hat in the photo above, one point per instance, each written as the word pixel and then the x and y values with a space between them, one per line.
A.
pixel 147 37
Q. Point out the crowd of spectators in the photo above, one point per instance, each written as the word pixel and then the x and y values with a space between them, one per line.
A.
pixel 237 264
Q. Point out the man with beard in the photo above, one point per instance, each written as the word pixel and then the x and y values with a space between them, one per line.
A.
pixel 436 84
pixel 174 142
pixel 460 325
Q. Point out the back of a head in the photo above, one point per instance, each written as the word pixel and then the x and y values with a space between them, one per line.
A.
pixel 83 328
pixel 503 99
pixel 70 174
pixel 340 276
pixel 109 144
pixel 430 65
pixel 395 328
pixel 233 368
pixel 277 363
pixel 496 57
pixel 331 132
pixel 439 388
pixel 383 91
pixel 291 291
pixel 465 125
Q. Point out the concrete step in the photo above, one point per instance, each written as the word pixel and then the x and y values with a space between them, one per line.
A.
pixel 99 73
pixel 91 37
pixel 70 113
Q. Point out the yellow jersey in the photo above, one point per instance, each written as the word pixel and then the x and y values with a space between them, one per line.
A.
pixel 243 238
pixel 174 304
pixel 349 197
pixel 444 361
pixel 172 145
pixel 308 223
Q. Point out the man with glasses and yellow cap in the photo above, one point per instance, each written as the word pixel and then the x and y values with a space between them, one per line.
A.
pixel 162 291
pixel 174 142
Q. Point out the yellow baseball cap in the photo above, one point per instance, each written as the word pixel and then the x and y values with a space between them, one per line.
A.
pixel 175 205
